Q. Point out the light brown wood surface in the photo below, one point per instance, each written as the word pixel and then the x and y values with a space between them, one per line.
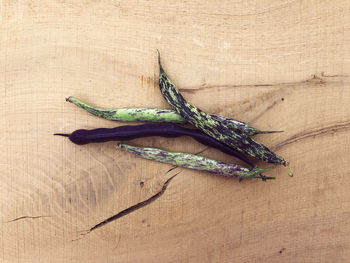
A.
pixel 281 65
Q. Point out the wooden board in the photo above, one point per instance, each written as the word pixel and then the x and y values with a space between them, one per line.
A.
pixel 274 64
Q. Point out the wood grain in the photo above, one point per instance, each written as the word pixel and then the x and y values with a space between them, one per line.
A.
pixel 274 64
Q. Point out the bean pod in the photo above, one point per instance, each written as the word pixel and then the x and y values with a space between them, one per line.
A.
pixel 211 126
pixel 197 162
pixel 158 115
pixel 129 132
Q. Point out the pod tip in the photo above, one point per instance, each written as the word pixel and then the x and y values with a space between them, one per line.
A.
pixel 159 63
pixel 267 168
pixel 69 98
pixel 62 134
pixel 267 132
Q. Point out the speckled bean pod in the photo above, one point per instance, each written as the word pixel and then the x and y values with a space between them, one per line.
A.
pixel 211 126
pixel 197 162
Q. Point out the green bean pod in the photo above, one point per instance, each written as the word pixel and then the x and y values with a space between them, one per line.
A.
pixel 157 115
pixel 130 114
pixel 211 126
pixel 197 162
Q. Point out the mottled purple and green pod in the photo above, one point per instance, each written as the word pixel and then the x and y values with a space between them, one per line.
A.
pixel 158 115
pixel 240 126
pixel 197 162
pixel 211 126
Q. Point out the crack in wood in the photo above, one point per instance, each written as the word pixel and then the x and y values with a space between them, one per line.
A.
pixel 172 168
pixel 25 217
pixel 313 133
pixel 317 79
pixel 265 110
pixel 203 87
pixel 131 208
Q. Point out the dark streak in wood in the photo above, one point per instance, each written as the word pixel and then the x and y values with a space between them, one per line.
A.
pixel 266 110
pixel 134 207
pixel 25 217
pixel 313 133
pixel 317 80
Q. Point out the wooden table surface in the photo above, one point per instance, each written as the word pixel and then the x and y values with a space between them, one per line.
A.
pixel 274 64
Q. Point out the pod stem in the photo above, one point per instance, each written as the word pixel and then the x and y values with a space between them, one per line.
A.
pixel 290 169
pixel 62 134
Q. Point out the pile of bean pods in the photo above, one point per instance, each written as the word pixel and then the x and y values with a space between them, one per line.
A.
pixel 226 134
